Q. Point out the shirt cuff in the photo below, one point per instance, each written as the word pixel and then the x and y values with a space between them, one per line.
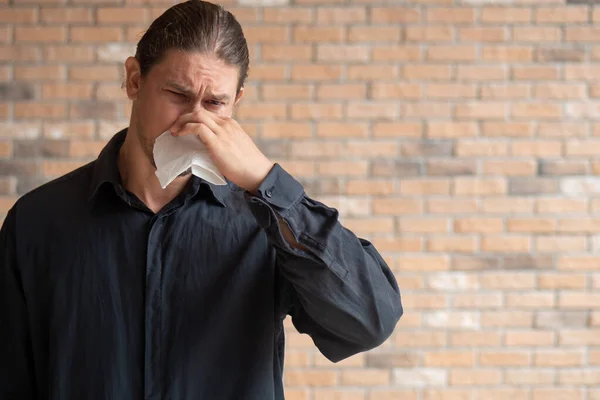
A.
pixel 279 192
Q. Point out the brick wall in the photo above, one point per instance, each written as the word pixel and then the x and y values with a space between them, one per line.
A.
pixel 460 136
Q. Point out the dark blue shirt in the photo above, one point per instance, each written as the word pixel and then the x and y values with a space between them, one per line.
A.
pixel 100 298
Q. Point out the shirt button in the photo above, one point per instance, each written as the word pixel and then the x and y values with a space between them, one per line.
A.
pixel 269 193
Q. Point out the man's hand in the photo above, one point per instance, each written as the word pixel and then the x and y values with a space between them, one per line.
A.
pixel 231 149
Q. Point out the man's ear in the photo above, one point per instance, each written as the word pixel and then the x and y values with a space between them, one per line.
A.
pixel 239 96
pixel 133 77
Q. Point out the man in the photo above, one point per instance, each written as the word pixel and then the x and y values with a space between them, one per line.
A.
pixel 113 288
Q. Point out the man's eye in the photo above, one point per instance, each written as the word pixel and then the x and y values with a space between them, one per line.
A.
pixel 215 102
pixel 177 94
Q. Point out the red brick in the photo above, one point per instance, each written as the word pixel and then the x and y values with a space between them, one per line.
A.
pixel 480 73
pixel 96 34
pixel 561 15
pixel 315 72
pixel 316 111
pixel 318 34
pixel 395 206
pixel 454 15
pixel 536 34
pixel 397 129
pixel 40 110
pixel 123 15
pixel 98 73
pixel 287 15
pixel 374 34
pixel 39 73
pixel 374 73
pixel 479 186
pixel 483 34
pixel 510 168
pixel 295 130
pixel 505 15
pixel 505 91
pixel 21 15
pixel 394 15
pixel 431 33
pixel 333 129
pixel 427 72
pixel 345 53
pixel 462 53
pixel 424 186
pixel 19 53
pixel 535 73
pixel 450 90
pixel 286 52
pixel 40 34
pixel 396 53
pixel 341 91
pixel 66 91
pixel 339 15
pixel 69 54
pixel 582 34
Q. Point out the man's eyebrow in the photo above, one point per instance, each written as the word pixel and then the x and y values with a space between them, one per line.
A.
pixel 187 91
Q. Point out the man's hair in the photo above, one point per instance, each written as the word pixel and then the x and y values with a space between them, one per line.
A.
pixel 196 26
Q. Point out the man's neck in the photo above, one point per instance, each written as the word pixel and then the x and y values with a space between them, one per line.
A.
pixel 138 176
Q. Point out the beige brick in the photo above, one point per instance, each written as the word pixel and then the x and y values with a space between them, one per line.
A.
pixel 480 148
pixel 561 205
pixel 480 73
pixel 477 301
pixel 314 34
pixel 430 33
pixel 338 394
pixel 504 358
pixel 341 91
pixel 561 244
pixel 397 206
pixel 582 34
pixel 370 225
pixel 539 225
pixel 579 300
pixel 497 91
pixel 557 358
pixel 374 34
pixel 420 339
pixel 394 15
pixel 423 263
pixel 506 54
pixel 40 34
pixel 529 377
pixel 478 225
pixel 427 72
pixel 423 225
pixel 475 339
pixel 425 186
pixel 387 91
pixel 454 15
pixel 449 359
pixel 507 129
pixel 287 15
pixel 310 377
pixel 508 281
pixel 502 394
pixel 339 15
pixel 297 394
pixel 468 377
pixel 540 111
pixel 366 377
pixel 510 168
pixel 507 319
pixel 536 301
pixel 483 34
pixel 450 90
pixel 505 15
pixel 392 394
pixel 453 244
pixel 561 281
pixel 579 377
pixel 460 53
pixel 560 15
pixel 451 206
pixel 398 53
pixel 557 393
pixel 479 186
pixel 397 129
pixel 579 263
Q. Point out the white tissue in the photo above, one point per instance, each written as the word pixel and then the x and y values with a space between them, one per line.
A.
pixel 174 155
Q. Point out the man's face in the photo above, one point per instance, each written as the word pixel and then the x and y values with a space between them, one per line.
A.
pixel 181 83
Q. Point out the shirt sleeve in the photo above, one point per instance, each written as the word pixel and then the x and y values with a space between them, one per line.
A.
pixel 16 365
pixel 342 292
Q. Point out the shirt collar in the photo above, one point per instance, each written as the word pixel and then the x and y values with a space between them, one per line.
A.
pixel 106 170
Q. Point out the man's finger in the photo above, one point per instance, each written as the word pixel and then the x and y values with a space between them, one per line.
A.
pixel 199 116
pixel 202 131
